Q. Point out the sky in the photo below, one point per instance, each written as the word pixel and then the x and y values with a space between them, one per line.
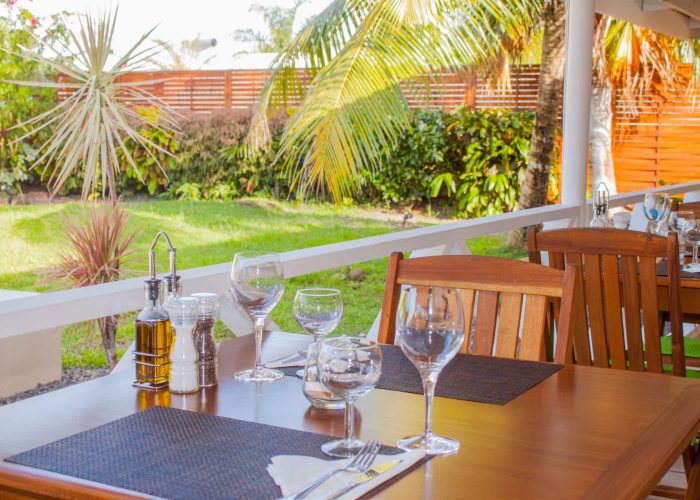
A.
pixel 179 20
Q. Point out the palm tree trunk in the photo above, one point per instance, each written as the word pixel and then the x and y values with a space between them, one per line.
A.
pixel 549 97
pixel 602 169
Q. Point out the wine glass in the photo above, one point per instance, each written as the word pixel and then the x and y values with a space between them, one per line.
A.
pixel 430 331
pixel 691 234
pixel 257 281
pixel 349 367
pixel 676 220
pixel 656 209
pixel 318 311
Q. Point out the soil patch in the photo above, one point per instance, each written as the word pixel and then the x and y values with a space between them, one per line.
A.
pixel 70 376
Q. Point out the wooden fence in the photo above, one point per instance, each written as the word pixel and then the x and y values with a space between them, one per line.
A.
pixel 654 141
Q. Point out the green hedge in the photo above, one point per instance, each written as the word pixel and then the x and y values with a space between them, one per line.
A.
pixel 468 160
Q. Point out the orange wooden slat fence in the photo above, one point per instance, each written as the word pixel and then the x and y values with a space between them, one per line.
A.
pixel 654 140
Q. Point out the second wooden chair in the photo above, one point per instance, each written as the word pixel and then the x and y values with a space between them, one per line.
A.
pixel 507 298
pixel 621 294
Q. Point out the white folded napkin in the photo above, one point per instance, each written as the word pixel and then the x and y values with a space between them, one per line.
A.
pixel 293 472
pixel 295 359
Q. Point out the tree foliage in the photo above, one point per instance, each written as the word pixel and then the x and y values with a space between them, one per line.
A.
pixel 19 27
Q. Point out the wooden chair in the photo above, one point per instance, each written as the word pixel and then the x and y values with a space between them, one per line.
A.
pixel 619 275
pixel 498 288
pixel 693 206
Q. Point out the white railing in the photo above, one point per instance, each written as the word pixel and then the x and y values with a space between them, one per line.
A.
pixel 50 310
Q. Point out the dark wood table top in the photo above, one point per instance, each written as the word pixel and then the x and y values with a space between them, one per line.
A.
pixel 583 432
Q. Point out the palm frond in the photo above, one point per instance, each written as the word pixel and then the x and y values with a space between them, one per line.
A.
pixel 355 107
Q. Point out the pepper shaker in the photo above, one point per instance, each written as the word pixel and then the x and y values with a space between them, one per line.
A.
pixel 204 338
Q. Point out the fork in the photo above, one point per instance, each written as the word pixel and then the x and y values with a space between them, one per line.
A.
pixel 361 463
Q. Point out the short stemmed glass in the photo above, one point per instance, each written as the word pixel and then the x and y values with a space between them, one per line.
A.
pixel 318 311
pixel 691 234
pixel 349 367
pixel 656 209
pixel 257 281
pixel 676 220
pixel 430 331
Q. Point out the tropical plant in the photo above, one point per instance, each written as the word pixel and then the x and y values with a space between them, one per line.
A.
pixel 211 154
pixel 536 177
pixel 358 52
pixel 495 150
pixel 99 247
pixel 631 60
pixel 280 26
pixel 148 164
pixel 188 55
pixel 422 150
pixel 20 27
pixel 91 126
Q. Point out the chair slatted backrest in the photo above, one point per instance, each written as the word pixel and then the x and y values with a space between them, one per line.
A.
pixel 504 301
pixel 620 289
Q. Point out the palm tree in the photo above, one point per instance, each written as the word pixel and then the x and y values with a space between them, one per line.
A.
pixel 631 60
pixel 357 52
pixel 549 97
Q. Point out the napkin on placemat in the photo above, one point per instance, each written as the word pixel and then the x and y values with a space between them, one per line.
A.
pixel 293 472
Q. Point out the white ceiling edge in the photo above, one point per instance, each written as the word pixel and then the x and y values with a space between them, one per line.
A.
pixel 670 17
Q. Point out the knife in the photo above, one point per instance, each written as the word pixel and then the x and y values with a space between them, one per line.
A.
pixel 375 471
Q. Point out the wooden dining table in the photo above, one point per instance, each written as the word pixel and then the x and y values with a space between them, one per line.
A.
pixel 583 432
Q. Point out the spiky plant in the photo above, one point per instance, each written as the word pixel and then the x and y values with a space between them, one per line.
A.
pixel 92 124
pixel 99 246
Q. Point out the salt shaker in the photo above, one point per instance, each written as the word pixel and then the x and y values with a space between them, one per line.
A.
pixel 204 338
pixel 183 357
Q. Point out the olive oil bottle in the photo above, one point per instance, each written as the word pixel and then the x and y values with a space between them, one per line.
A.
pixel 153 341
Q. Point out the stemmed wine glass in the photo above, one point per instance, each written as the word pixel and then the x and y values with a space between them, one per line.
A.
pixel 430 330
pixel 691 234
pixel 656 209
pixel 349 367
pixel 676 221
pixel 318 311
pixel 257 281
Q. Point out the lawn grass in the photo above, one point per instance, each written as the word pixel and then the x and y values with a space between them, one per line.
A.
pixel 210 233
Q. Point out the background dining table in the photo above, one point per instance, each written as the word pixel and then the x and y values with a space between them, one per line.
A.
pixel 583 432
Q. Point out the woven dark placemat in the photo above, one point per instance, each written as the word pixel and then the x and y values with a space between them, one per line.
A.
pixel 483 379
pixel 174 453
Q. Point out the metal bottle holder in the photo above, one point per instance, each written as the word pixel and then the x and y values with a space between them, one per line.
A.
pixel 151 361
pixel 601 197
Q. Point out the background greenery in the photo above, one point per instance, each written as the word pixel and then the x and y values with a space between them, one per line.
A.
pixel 17 103
pixel 466 162
pixel 209 233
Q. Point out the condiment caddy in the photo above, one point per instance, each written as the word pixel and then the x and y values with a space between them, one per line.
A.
pixel 174 342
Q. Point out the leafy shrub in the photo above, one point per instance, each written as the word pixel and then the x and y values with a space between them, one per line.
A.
pixel 190 191
pixel 495 146
pixel 150 174
pixel 412 163
pixel 212 155
pixel 472 157
pixel 19 103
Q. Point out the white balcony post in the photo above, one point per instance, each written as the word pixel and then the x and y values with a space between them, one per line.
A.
pixel 580 16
